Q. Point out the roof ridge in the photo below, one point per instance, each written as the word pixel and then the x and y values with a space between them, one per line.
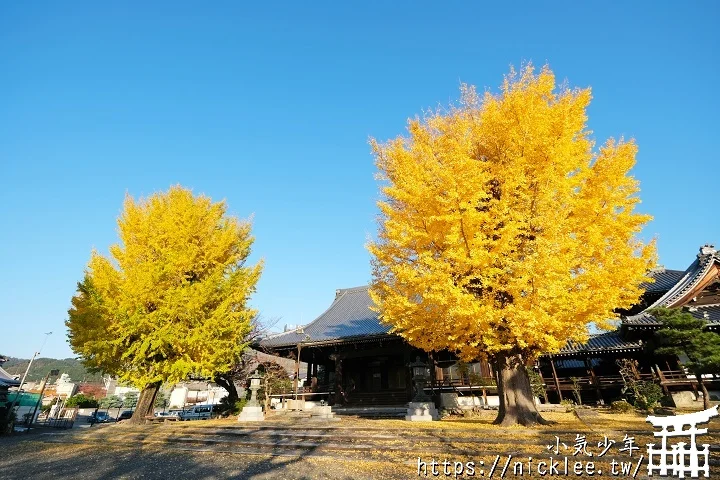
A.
pixel 354 289
pixel 696 270
pixel 592 335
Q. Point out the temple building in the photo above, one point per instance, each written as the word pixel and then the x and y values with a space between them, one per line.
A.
pixel 352 359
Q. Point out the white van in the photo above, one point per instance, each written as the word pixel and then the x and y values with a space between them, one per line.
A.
pixel 197 412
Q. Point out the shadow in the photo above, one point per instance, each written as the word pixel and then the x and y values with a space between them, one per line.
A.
pixel 70 455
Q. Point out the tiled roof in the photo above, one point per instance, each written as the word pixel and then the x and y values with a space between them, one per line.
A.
pixel 348 318
pixel 664 280
pixel 6 380
pixel 687 281
pixel 602 342
pixel 711 313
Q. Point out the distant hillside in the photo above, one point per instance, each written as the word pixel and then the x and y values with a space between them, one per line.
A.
pixel 41 367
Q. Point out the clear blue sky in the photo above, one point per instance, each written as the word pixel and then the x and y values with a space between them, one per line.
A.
pixel 270 106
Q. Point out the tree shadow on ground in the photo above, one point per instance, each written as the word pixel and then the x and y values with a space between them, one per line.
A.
pixel 63 456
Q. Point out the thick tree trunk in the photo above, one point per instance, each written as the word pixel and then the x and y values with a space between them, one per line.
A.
pixel 703 389
pixel 146 403
pixel 517 405
pixel 227 383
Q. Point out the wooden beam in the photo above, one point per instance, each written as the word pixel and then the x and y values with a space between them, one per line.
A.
pixel 555 377
pixel 594 380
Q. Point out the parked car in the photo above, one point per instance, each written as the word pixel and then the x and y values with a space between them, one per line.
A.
pixel 125 415
pixel 197 412
pixel 171 413
pixel 100 417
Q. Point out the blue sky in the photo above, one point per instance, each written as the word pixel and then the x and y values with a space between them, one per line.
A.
pixel 270 106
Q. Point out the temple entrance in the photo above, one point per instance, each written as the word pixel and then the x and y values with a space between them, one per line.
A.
pixel 375 380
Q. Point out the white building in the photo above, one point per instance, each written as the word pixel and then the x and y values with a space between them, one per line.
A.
pixel 64 387
pixel 194 393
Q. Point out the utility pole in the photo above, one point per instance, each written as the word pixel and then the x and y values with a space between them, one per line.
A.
pixel 52 373
pixel 11 410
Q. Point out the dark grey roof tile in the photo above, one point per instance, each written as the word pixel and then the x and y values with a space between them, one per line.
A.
pixel 349 317
pixel 664 280
pixel 601 342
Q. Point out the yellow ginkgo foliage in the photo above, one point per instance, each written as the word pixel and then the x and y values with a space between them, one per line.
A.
pixel 504 233
pixel 172 299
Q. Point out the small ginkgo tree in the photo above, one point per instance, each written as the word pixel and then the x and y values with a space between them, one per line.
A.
pixel 172 299
pixel 503 233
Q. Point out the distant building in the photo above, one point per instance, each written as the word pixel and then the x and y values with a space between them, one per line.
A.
pixel 64 387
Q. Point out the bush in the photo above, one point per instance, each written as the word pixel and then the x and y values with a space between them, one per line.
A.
pixel 647 395
pixel 225 409
pixel 81 401
pixel 569 405
pixel 620 406
pixel 7 420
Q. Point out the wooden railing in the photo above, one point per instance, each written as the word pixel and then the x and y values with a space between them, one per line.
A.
pixel 666 377
pixel 676 377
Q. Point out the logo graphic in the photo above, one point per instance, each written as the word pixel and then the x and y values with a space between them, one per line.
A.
pixel 679 460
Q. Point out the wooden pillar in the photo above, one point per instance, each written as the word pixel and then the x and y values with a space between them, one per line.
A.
pixel 339 398
pixel 594 380
pixel 542 379
pixel 433 372
pixel 555 377
pixel 663 384
pixel 296 381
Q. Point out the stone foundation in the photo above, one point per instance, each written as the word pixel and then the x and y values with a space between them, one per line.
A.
pixel 421 412
pixel 251 414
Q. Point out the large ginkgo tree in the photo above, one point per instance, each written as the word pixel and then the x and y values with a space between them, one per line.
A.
pixel 504 232
pixel 171 300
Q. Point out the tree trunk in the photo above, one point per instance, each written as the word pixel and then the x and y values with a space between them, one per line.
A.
pixel 226 382
pixel 517 405
pixel 145 404
pixel 703 389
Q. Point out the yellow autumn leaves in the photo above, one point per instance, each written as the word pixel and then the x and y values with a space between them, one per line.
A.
pixel 501 230
pixel 172 298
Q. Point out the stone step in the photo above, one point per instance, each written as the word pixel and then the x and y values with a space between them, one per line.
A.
pixel 393 411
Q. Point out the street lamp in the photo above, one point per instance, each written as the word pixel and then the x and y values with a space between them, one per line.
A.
pixel 254 387
pixel 419 369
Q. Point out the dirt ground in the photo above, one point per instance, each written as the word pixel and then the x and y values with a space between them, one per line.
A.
pixel 348 449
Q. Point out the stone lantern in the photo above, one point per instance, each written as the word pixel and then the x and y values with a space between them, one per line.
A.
pixel 254 387
pixel 421 408
pixel 252 412
pixel 419 372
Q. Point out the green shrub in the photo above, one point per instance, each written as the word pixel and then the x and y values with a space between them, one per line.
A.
pixel 81 401
pixel 224 408
pixel 620 406
pixel 569 405
pixel 239 405
pixel 647 395
pixel 7 420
